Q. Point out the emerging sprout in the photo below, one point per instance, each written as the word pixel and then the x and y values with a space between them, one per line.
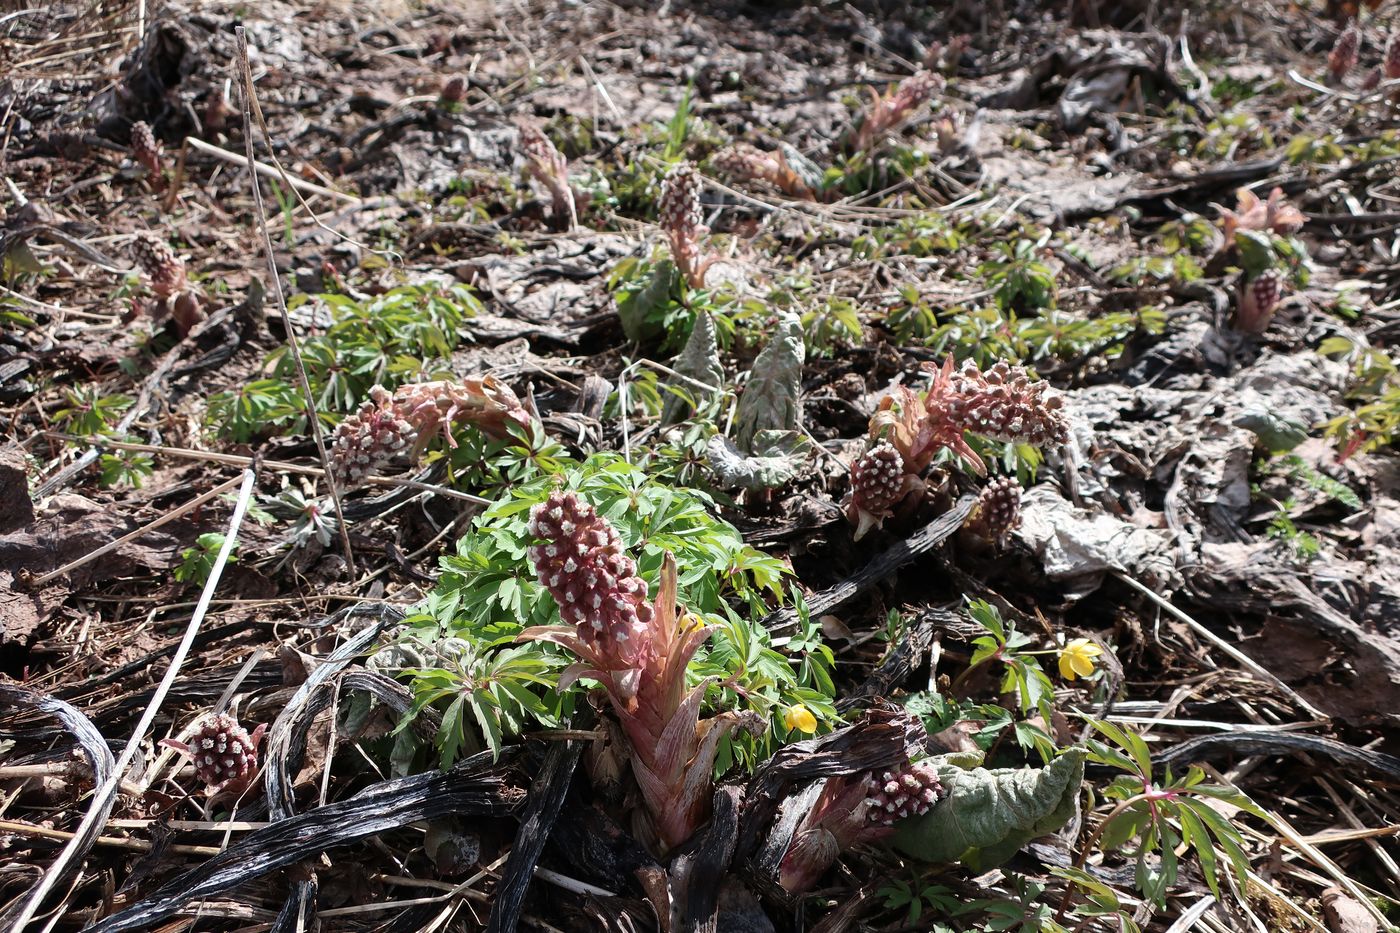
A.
pixel 638 651
pixel 745 163
pixel 165 272
pixel 1345 52
pixel 853 810
pixel 1259 298
pixel 1274 215
pixel 147 152
pixel 997 512
pixel 878 484
pixel 887 112
pixel 547 165
pixel 680 221
pixel 225 756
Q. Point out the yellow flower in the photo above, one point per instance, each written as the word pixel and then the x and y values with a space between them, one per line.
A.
pixel 1077 658
pixel 800 718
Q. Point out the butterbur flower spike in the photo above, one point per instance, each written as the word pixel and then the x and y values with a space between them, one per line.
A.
pixel 1000 403
pixel 680 221
pixel 368 439
pixel 165 273
pixel 225 756
pixel 745 163
pixel 390 424
pixel 1259 298
pixel 878 483
pixel 147 152
pixel 547 165
pixel 887 112
pixel 454 91
pixel 997 512
pixel 855 810
pixel 1345 52
pixel 638 651
pixel 1391 66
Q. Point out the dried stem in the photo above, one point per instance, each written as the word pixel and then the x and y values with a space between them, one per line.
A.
pixel 249 105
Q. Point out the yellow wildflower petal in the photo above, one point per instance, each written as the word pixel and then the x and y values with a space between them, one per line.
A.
pixel 800 718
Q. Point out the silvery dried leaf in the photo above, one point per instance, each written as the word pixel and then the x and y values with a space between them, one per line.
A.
pixel 699 361
pixel 777 462
pixel 812 174
pixel 772 398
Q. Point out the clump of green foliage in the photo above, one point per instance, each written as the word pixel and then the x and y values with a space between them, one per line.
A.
pixel 390 339
pixel 490 687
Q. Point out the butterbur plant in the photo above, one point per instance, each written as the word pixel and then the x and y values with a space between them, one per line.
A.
pixel 404 421
pixel 1391 65
pixel 745 163
pixel 996 514
pixel 887 112
pixel 1257 301
pixel 680 221
pixel 878 483
pixel 638 651
pixel 1275 215
pixel 175 297
pixel 1345 52
pixel 547 165
pixel 224 754
pixel 148 153
pixel 1000 403
pixel 856 810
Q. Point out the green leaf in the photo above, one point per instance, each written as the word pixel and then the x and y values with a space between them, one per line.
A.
pixel 989 815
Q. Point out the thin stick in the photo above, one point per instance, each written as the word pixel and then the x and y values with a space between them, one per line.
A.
pixel 102 799
pixel 278 466
pixel 136 845
pixel 312 417
pixel 262 168
pixel 131 535
pixel 1245 660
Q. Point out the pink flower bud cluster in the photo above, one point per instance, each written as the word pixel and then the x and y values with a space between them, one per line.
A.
pixel 897 795
pixel 583 565
pixel 388 424
pixel 369 438
pixel 146 150
pixel 1259 298
pixel 1345 52
pixel 164 269
pixel 998 509
pixel 223 751
pixel 549 167
pixel 877 486
pixel 886 113
pixel 680 221
pixel 165 272
pixel 745 163
pixel 852 810
pixel 1002 403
